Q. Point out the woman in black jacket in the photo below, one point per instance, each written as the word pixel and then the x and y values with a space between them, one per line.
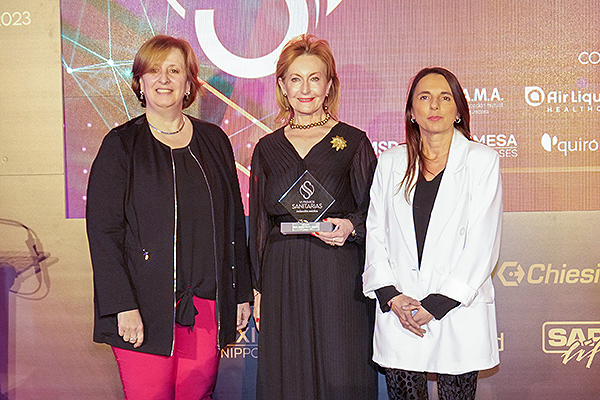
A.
pixel 167 235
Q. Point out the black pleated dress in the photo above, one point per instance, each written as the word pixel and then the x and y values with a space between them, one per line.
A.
pixel 315 340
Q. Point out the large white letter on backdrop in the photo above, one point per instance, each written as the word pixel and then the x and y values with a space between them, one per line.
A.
pixel 247 67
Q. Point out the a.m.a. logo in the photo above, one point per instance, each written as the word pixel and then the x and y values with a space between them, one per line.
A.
pixel 483 100
pixel 574 341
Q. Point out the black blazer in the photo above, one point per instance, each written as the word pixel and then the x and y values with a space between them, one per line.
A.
pixel 131 223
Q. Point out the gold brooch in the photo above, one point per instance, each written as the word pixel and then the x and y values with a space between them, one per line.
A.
pixel 338 143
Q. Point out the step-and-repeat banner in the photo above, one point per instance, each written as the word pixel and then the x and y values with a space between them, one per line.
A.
pixel 531 73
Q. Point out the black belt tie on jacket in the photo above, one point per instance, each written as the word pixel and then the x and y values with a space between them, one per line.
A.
pixel 185 313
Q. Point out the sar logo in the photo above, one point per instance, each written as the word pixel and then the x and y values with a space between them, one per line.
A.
pixel 574 341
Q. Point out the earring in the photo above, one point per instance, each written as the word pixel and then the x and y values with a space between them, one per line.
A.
pixel 141 95
pixel 412 120
pixel 457 120
pixel 186 94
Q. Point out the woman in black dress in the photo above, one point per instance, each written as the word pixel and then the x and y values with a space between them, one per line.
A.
pixel 315 324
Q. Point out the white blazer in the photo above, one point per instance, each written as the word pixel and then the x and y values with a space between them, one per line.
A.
pixel 460 252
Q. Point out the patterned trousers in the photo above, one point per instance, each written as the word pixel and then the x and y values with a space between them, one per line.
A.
pixel 409 385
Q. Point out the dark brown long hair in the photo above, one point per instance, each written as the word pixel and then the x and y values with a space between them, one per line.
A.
pixel 413 133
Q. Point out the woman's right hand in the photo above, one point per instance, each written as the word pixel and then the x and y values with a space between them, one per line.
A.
pixel 403 306
pixel 131 328
pixel 256 309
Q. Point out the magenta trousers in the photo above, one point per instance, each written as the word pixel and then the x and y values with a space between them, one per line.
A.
pixel 190 374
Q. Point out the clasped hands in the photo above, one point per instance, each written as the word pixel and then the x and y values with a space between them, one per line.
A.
pixel 411 314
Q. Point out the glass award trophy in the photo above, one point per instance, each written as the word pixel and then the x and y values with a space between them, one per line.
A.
pixel 306 200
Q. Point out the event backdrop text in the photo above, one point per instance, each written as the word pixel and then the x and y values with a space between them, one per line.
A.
pixel 530 71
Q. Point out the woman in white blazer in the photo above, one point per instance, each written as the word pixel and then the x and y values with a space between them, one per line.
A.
pixel 433 237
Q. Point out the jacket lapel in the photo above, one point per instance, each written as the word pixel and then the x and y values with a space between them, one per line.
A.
pixel 450 192
pixel 404 217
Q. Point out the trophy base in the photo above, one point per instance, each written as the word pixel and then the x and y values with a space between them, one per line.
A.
pixel 300 228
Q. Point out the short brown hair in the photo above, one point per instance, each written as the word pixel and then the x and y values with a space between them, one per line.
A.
pixel 307 45
pixel 155 50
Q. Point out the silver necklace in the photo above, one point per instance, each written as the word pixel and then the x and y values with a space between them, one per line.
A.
pixel 169 133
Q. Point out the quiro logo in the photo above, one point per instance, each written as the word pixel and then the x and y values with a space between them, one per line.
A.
pixel 548 142
pixel 568 146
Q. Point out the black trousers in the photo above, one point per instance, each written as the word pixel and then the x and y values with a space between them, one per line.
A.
pixel 410 385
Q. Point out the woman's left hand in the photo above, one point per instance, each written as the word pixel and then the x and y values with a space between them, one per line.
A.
pixel 243 315
pixel 339 235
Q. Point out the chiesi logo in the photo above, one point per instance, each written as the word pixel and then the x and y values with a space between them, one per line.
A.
pixel 579 341
pixel 559 101
pixel 568 146
pixel 243 67
pixel 511 273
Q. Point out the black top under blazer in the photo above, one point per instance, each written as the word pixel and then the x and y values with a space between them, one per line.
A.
pixel 130 225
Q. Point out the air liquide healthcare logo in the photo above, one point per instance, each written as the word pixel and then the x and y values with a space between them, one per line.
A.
pixel 558 101
pixel 511 273
pixel 574 341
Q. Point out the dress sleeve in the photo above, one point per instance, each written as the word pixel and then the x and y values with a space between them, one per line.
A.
pixel 260 224
pixel 361 178
pixel 106 224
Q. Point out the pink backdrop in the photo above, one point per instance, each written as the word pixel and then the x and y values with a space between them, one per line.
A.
pixel 529 68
